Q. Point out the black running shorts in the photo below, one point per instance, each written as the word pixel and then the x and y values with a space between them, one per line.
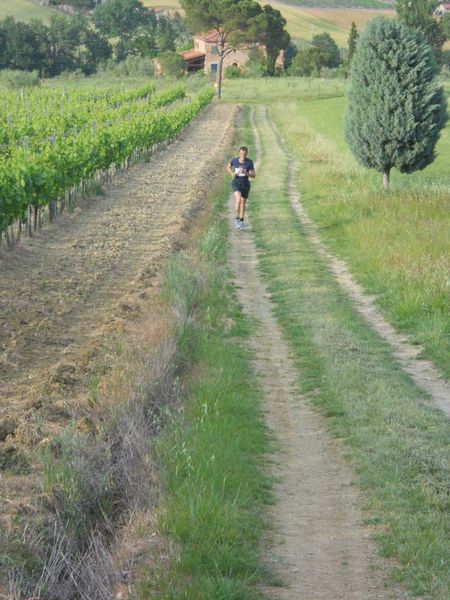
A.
pixel 243 187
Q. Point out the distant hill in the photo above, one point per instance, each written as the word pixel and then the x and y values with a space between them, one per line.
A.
pixel 24 10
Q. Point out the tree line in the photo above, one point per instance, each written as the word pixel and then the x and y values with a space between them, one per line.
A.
pixel 118 29
pixel 323 53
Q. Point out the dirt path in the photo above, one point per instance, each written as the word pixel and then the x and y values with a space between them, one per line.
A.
pixel 423 372
pixel 320 550
pixel 60 292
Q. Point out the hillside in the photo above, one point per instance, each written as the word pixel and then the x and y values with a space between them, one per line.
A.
pixel 304 22
pixel 24 10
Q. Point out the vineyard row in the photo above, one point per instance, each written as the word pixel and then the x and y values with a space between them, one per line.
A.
pixel 34 178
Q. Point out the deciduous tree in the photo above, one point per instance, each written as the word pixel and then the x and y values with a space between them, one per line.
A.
pixel 236 22
pixel 306 62
pixel 120 17
pixel 331 57
pixel 396 108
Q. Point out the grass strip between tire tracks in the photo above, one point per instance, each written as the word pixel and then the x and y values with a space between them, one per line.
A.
pixel 399 445
pixel 212 452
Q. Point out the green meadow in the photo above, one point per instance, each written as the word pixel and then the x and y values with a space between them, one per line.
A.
pixel 398 243
pixel 24 10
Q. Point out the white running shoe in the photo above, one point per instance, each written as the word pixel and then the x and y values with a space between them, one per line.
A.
pixel 237 223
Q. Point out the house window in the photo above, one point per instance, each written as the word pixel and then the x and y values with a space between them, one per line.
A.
pixel 214 68
pixel 214 50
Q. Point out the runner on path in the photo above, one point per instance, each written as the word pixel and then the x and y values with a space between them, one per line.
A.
pixel 241 169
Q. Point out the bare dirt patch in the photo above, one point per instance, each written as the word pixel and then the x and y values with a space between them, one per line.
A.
pixel 83 277
pixel 71 296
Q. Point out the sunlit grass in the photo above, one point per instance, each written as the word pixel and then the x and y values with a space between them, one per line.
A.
pixel 25 10
pixel 397 244
pixel 212 450
pixel 268 89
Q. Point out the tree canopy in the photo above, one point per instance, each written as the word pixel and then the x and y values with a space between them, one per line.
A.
pixel 419 15
pixel 275 36
pixel 238 22
pixel 331 57
pixel 121 17
pixel 396 108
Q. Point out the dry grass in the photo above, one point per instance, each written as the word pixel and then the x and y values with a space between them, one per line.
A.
pixel 95 480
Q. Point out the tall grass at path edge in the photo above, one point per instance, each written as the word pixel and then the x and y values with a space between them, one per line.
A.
pixel 213 450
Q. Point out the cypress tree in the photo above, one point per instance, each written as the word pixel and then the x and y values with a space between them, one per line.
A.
pixel 396 109
pixel 352 41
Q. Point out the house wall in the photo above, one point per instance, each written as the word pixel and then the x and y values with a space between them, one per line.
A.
pixel 238 57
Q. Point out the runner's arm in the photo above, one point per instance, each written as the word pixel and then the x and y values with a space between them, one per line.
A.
pixel 230 170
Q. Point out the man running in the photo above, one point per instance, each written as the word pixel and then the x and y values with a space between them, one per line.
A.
pixel 241 169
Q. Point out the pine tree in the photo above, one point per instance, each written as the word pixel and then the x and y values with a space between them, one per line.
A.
pixel 396 108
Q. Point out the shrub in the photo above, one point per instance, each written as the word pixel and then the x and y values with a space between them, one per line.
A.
pixel 336 73
pixel 232 72
pixel 132 66
pixel 306 62
pixel 256 65
pixel 18 79
pixel 172 65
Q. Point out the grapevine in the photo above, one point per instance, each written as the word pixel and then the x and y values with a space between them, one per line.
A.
pixel 47 168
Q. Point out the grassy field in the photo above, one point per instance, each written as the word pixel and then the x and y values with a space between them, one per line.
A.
pixel 397 244
pixel 288 88
pixel 303 22
pixel 24 10
pixel 399 445
pixel 340 4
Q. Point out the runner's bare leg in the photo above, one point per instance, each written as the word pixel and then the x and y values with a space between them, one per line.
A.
pixel 237 204
pixel 242 208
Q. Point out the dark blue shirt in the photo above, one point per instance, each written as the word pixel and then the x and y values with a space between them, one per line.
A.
pixel 247 166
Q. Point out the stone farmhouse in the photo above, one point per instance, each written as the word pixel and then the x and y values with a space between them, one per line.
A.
pixel 204 56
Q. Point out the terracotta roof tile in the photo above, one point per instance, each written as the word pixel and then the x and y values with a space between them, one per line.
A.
pixel 210 36
pixel 190 54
